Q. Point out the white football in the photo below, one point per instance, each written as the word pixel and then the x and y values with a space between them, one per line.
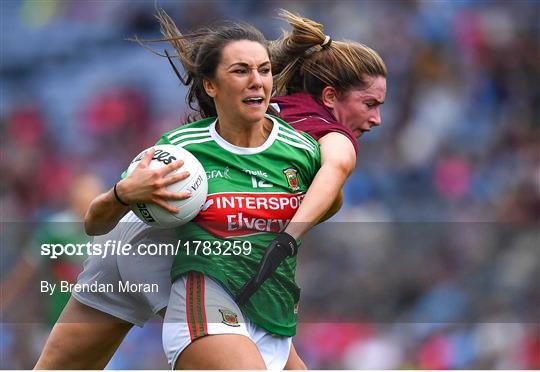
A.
pixel 196 184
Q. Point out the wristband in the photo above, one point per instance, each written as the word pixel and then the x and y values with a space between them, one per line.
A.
pixel 118 198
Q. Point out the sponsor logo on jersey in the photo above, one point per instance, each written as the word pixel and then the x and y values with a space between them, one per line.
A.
pixel 229 215
pixel 292 178
pixel 218 173
pixel 229 317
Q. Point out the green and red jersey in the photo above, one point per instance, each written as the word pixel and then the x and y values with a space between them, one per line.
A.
pixel 252 194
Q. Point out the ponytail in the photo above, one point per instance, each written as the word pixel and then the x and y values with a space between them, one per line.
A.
pixel 307 60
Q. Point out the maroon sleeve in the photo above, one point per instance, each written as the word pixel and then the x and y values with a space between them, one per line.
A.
pixel 318 127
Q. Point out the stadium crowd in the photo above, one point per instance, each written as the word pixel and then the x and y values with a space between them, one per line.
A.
pixel 433 261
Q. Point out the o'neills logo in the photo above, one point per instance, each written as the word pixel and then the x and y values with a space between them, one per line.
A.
pixel 237 214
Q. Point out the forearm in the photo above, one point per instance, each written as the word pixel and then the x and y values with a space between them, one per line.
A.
pixel 143 185
pixel 103 214
pixel 323 198
pixel 320 197
pixel 338 159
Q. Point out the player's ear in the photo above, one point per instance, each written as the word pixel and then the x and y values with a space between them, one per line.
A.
pixel 329 96
pixel 209 87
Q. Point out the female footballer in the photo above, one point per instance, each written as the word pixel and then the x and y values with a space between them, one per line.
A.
pixel 326 112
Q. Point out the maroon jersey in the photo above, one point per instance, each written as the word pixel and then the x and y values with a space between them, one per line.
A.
pixel 307 115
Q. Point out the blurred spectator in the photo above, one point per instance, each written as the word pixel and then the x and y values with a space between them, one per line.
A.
pixel 60 228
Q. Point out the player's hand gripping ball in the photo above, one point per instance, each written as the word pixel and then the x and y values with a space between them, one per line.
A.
pixel 196 184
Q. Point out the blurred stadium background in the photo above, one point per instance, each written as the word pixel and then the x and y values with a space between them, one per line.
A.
pixel 459 149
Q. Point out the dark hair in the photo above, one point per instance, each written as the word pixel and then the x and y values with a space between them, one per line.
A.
pixel 200 53
pixel 307 60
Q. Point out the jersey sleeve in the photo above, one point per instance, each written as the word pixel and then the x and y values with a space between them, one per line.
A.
pixel 318 127
pixel 164 140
